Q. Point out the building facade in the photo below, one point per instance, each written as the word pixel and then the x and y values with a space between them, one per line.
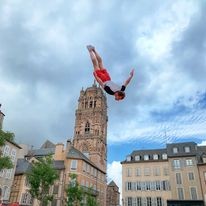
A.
pixel 85 155
pixel 202 170
pixel 113 194
pixel 1 117
pixel 152 177
pixel 10 149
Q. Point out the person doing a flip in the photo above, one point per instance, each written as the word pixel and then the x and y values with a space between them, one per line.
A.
pixel 103 78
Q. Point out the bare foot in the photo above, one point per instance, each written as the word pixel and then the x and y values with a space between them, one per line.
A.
pixel 90 48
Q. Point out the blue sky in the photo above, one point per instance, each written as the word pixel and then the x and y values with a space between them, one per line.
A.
pixel 44 64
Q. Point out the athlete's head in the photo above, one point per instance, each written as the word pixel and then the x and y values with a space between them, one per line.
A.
pixel 119 95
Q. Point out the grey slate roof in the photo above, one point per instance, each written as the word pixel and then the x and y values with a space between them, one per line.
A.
pixel 198 151
pixel 112 184
pixel 149 152
pixel 181 151
pixel 48 144
pixel 76 154
pixel 41 152
pixel 22 166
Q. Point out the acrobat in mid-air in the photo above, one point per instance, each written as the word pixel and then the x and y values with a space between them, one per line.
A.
pixel 103 78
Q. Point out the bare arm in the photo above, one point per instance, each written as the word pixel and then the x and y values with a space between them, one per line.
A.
pixel 99 80
pixel 129 79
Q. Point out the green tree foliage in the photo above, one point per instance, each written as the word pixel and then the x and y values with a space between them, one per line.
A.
pixel 76 194
pixel 5 162
pixel 91 200
pixel 41 177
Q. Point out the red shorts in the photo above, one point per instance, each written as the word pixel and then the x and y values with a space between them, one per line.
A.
pixel 102 74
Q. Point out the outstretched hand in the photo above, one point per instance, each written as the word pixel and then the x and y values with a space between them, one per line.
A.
pixel 132 72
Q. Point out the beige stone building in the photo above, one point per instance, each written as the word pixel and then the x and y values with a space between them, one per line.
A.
pixel 145 178
pixel 202 170
pixel 151 177
pixel 10 149
pixel 20 188
pixel 85 155
pixel 184 175
pixel 113 194
pixel 1 117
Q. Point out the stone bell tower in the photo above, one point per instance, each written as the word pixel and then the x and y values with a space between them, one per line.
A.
pixel 90 132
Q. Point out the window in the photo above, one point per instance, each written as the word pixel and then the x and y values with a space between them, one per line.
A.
pixel 180 193
pixel 205 176
pixel 165 185
pixel 6 192
pixel 129 158
pixel 90 104
pixel 175 150
pixel 138 171
pixel 166 171
pixel 187 149
pixel 87 128
pixel 55 189
pixel 139 201
pixel 137 158
pixel 129 203
pixel 9 173
pixel 129 185
pixel 73 165
pixel 157 185
pixel 164 156
pixel 178 178
pixel 189 162
pixel 149 201
pixel 156 171
pixel 129 172
pixel 191 176
pixel 155 156
pixel 54 202
pixel 138 186
pixel 2 172
pixel 6 150
pixel 146 157
pixel 147 185
pixel 193 193
pixel 176 164
pixel 147 171
pixel 13 155
pixel 159 201
pixel 84 166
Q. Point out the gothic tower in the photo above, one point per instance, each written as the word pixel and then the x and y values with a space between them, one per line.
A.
pixel 90 132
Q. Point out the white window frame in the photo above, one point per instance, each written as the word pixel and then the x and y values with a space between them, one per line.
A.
pixel 175 150
pixel 137 157
pixel 155 156
pixel 164 156
pixel 178 193
pixel 146 157
pixel 187 149
pixel 191 195
pixel 189 162
pixel 176 164
pixel 191 174
pixel 74 164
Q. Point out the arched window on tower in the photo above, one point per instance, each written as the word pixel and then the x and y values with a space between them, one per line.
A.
pixel 87 128
pixel 90 104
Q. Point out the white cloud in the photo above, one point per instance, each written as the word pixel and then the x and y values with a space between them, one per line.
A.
pixel 203 143
pixel 114 172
